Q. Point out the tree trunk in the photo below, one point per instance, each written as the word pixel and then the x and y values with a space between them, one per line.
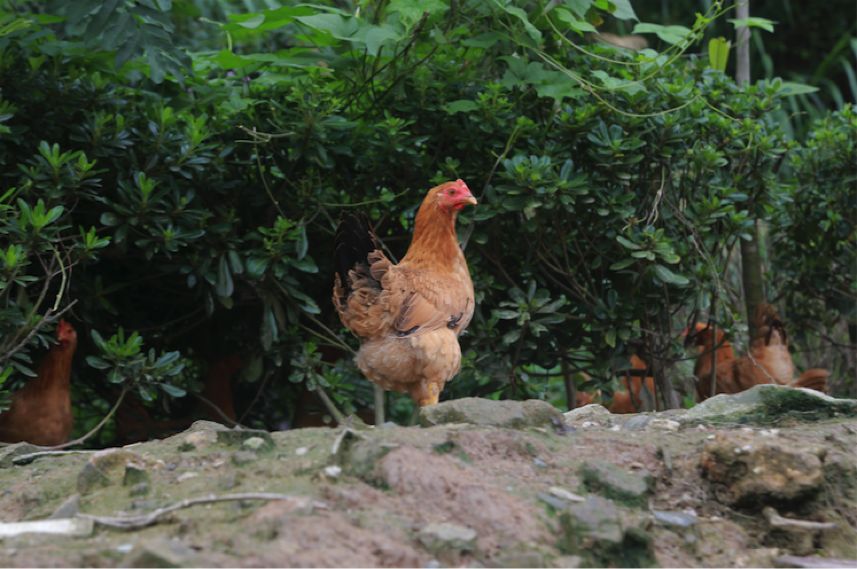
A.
pixel 751 259
pixel 752 276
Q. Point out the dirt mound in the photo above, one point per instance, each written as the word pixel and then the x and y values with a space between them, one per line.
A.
pixel 591 489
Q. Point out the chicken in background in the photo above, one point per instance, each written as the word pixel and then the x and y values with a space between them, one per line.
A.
pixel 630 400
pixel 409 315
pixel 41 410
pixel 708 340
pixel 767 361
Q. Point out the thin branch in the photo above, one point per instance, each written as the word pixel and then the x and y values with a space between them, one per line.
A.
pixel 98 426
pixel 145 520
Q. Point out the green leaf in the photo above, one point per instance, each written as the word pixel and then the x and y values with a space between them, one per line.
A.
pixel 172 390
pixel 460 106
pixel 610 338
pixel 667 276
pixel 753 22
pixel 252 22
pixel 669 34
pixel 623 10
pixel 718 53
pixel 790 88
pixel 532 31
pixel 225 286
pixel 627 243
pixel 624 263
pixel 577 24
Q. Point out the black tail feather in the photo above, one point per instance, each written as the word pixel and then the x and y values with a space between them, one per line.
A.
pixel 355 239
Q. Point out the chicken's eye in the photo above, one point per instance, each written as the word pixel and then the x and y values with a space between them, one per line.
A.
pixel 450 192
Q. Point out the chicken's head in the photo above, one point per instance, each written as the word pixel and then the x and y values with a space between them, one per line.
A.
pixel 452 196
pixel 66 334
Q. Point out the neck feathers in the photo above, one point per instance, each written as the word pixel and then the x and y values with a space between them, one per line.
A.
pixel 434 239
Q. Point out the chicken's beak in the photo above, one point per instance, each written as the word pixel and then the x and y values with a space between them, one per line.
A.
pixel 468 199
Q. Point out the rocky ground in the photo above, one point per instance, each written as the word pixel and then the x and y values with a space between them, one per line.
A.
pixel 764 478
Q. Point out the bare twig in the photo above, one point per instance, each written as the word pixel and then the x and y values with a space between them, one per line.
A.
pixel 144 520
pixel 31 456
pixel 331 406
pixel 97 427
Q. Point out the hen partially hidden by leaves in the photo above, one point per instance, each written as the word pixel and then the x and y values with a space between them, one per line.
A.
pixel 41 410
pixel 409 315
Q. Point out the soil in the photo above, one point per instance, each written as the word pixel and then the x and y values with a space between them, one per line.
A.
pixel 373 496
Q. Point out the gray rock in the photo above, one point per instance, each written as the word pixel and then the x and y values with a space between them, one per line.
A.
pixel 9 452
pixel 519 559
pixel 105 468
pixel 637 422
pixel 569 561
pixel 675 519
pixel 360 456
pixel 140 489
pixel 477 411
pixel 236 437
pixel 135 473
pixel 159 553
pixel 68 509
pixel 765 404
pixel 447 538
pixel 242 457
pixel 207 426
pixel 631 488
pixel 745 469
pixel 595 520
pixel 592 413
pixel 254 444
pixel 200 438
pixel 594 530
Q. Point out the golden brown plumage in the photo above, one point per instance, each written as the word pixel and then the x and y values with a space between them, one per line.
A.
pixel 767 361
pixel 41 410
pixel 408 315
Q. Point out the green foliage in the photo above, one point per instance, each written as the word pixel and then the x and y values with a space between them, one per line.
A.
pixel 190 161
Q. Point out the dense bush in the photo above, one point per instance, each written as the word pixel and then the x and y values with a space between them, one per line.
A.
pixel 194 199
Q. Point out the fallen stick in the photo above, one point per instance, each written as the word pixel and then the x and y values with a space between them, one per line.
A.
pixel 144 520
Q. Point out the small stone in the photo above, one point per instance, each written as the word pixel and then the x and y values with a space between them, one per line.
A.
pixel 242 457
pixel 638 422
pixel 569 561
pixel 186 476
pixel 237 437
pixel 664 425
pixel 300 451
pixel 592 412
pixel 140 489
pixel 564 494
pixel 104 468
pixel 447 538
pixel 675 519
pixel 539 463
pixel 200 439
pixel 519 559
pixel 332 471
pixel 68 509
pixel 135 473
pixel 254 443
pixel 613 482
pixel 596 518
pixel 159 553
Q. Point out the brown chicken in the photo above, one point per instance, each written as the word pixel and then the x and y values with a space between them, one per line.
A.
pixel 409 315
pixel 707 340
pixel 768 360
pixel 41 411
pixel 629 400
